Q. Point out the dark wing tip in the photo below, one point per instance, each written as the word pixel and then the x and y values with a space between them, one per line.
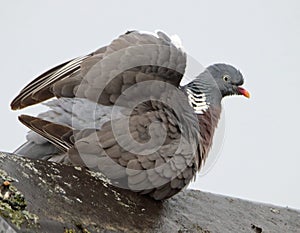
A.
pixel 40 89
pixel 19 103
pixel 58 135
pixel 14 105
pixel 24 101
pixel 26 119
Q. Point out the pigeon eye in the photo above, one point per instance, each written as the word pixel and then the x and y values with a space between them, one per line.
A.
pixel 226 78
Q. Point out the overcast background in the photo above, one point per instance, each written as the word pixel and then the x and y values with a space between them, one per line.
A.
pixel 260 159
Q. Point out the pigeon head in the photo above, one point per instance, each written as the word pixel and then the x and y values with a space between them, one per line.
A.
pixel 216 82
pixel 228 80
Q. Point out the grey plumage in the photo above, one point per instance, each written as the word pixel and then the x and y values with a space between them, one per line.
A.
pixel 121 111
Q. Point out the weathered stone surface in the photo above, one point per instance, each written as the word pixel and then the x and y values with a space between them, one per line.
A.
pixel 68 199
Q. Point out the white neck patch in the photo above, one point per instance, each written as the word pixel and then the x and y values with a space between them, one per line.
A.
pixel 197 101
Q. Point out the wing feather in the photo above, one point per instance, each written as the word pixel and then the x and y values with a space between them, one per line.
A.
pixel 54 133
pixel 108 71
pixel 40 88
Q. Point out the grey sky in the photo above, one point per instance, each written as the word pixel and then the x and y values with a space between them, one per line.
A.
pixel 260 158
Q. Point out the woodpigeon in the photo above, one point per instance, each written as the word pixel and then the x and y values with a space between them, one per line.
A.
pixel 121 111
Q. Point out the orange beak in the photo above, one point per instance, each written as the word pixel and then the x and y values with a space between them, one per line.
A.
pixel 244 92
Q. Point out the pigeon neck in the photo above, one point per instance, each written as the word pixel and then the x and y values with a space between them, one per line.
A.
pixel 203 93
pixel 207 125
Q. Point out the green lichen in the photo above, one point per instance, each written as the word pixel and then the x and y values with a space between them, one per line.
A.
pixel 74 231
pixel 13 204
pixel 69 231
pixel 17 217
pixel 80 229
pixel 4 176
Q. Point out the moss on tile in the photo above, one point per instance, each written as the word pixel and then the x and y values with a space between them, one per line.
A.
pixel 13 204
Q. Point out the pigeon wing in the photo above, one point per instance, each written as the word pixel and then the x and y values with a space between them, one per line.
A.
pixel 40 88
pixel 101 76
